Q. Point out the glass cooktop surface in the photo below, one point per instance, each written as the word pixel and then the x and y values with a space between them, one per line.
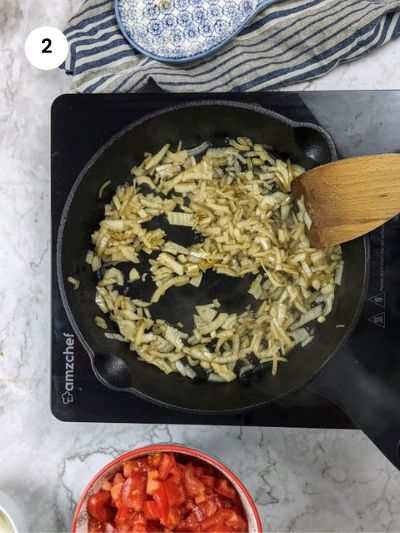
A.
pixel 360 123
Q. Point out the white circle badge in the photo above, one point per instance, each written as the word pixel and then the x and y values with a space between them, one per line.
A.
pixel 46 48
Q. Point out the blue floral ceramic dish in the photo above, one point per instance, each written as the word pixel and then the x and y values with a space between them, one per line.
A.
pixel 183 30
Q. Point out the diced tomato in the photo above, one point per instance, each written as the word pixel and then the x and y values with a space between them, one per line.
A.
pixel 221 529
pixel 239 523
pixel 118 478
pixel 134 492
pixel 116 493
pixel 160 496
pixel 174 518
pixel 207 508
pixel 224 517
pixel 167 462
pixel 139 528
pixel 200 498
pixel 151 510
pixel 204 471
pixel 106 485
pixel 124 514
pixel 175 493
pixel 129 467
pixel 227 502
pixel 127 520
pixel 177 473
pixel 194 487
pixel 208 481
pixel 153 526
pixel 189 505
pixel 135 465
pixel 153 482
pixel 154 460
pixel 224 488
pixel 238 501
pixel 189 524
pixel 99 506
pixel 95 526
pixel 213 522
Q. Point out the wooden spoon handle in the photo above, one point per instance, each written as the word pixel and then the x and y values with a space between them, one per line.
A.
pixel 350 197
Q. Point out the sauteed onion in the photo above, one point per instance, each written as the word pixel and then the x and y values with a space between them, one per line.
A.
pixel 237 199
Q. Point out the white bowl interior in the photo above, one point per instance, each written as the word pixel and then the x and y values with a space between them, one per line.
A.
pixel 12 514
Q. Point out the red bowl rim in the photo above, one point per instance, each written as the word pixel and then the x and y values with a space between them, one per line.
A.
pixel 176 448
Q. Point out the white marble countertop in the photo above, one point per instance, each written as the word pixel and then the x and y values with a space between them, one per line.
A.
pixel 302 480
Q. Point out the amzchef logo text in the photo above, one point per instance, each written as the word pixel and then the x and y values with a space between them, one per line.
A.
pixel 69 356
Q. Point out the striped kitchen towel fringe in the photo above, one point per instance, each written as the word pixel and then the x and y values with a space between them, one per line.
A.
pixel 289 42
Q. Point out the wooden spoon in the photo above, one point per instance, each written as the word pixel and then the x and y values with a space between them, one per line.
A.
pixel 348 198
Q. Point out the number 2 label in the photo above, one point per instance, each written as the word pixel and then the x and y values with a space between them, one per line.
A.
pixel 46 49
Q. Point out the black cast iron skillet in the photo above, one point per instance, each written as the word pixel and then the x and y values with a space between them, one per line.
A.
pixel 113 363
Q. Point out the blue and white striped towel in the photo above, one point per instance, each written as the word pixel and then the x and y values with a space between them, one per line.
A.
pixel 290 41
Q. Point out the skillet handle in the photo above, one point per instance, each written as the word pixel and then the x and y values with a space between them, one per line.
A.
pixel 372 404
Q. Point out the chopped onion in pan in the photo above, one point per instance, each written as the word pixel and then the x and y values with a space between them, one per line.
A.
pixel 103 188
pixel 237 201
pixel 75 282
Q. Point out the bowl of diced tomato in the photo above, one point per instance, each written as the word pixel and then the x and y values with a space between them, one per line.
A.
pixel 169 488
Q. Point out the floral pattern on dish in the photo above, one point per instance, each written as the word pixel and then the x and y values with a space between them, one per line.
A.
pixel 183 29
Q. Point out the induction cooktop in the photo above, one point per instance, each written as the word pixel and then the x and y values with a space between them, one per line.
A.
pixel 360 122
